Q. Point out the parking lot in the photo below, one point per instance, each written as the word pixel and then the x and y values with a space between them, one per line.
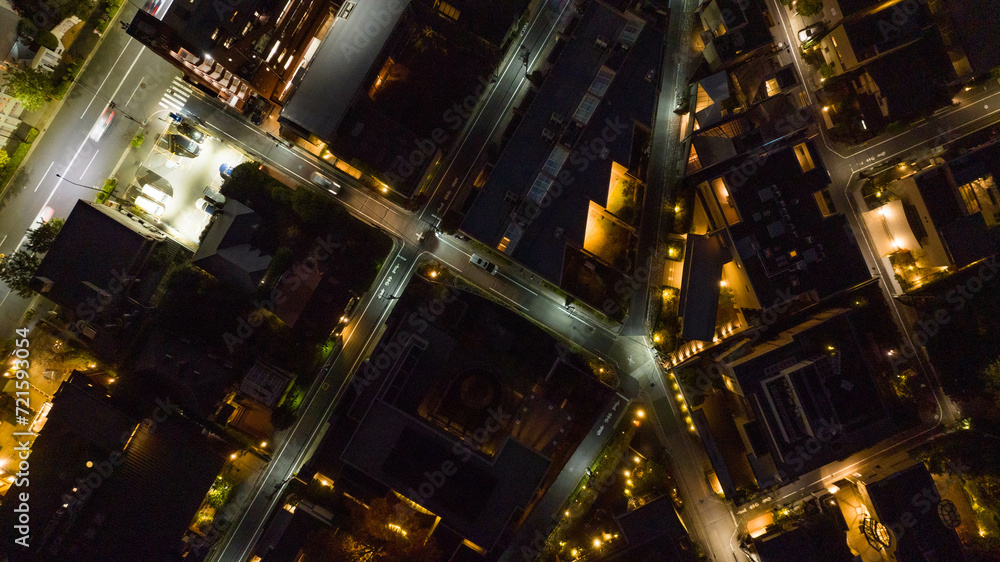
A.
pixel 184 180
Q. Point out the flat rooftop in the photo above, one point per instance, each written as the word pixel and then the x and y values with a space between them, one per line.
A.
pixel 344 59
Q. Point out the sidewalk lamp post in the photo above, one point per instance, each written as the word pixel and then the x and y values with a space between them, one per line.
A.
pixel 78 184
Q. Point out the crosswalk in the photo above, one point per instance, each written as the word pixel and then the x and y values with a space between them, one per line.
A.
pixel 175 97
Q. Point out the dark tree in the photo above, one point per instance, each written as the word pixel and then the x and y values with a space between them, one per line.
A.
pixel 17 269
pixel 40 238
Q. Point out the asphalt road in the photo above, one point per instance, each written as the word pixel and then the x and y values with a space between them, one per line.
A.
pixel 120 70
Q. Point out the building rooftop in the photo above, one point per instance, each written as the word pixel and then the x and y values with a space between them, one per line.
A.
pixel 783 239
pixel 135 506
pixel 230 251
pixel 553 157
pixel 96 248
pixel 968 236
pixel 927 63
pixel 812 376
pixel 977 26
pixel 822 535
pixel 342 63
pixel 919 531
pixel 699 298
pixel 472 367
pixel 655 523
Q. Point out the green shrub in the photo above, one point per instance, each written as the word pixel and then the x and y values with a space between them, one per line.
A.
pixel 109 187
pixel 15 162
pixel 137 140
pixel 47 40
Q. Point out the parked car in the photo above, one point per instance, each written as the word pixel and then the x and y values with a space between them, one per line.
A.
pixel 225 171
pixel 325 182
pixel 489 266
pixel 811 33
pixel 206 205
pixel 345 318
pixel 188 129
pixel 97 131
pixel 183 146
pixel 150 206
pixel 156 194
pixel 213 195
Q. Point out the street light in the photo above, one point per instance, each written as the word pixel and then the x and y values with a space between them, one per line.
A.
pixel 78 184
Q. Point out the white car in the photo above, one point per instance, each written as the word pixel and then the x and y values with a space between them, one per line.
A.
pixel 489 266
pixel 97 131
pixel 150 206
pixel 325 182
pixel 151 192
pixel 206 205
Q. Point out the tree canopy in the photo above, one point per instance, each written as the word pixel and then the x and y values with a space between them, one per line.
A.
pixel 808 7
pixel 40 238
pixel 378 533
pixel 17 269
pixel 29 86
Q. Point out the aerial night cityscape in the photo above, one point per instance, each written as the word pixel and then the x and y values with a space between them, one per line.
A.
pixel 500 280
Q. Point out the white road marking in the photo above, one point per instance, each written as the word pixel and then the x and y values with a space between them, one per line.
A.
pixel 43 178
pixel 84 172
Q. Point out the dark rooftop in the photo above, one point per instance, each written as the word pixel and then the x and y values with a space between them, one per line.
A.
pixel 927 64
pixel 230 252
pixel 783 240
pixel 822 364
pixel 95 249
pixel 977 26
pixel 478 500
pixel 967 237
pixel 919 532
pixel 135 508
pixel 626 106
pixel 699 298
pixel 823 536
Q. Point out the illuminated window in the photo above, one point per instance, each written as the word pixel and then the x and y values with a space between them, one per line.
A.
pixel 228 43
pixel 721 30
pixel 792 254
pixel 510 238
pixel 540 188
pixel 556 160
pixel 772 87
pixel 215 33
pixel 824 202
pixel 694 163
pixel 631 32
pixel 586 109
pixel 381 78
pixel 601 82
pixel 805 159
pixel 969 198
pixel 447 10
pixel 247 29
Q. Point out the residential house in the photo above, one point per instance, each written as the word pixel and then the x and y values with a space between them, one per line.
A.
pixel 733 31
pixel 100 271
pixel 106 487
pixel 231 249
